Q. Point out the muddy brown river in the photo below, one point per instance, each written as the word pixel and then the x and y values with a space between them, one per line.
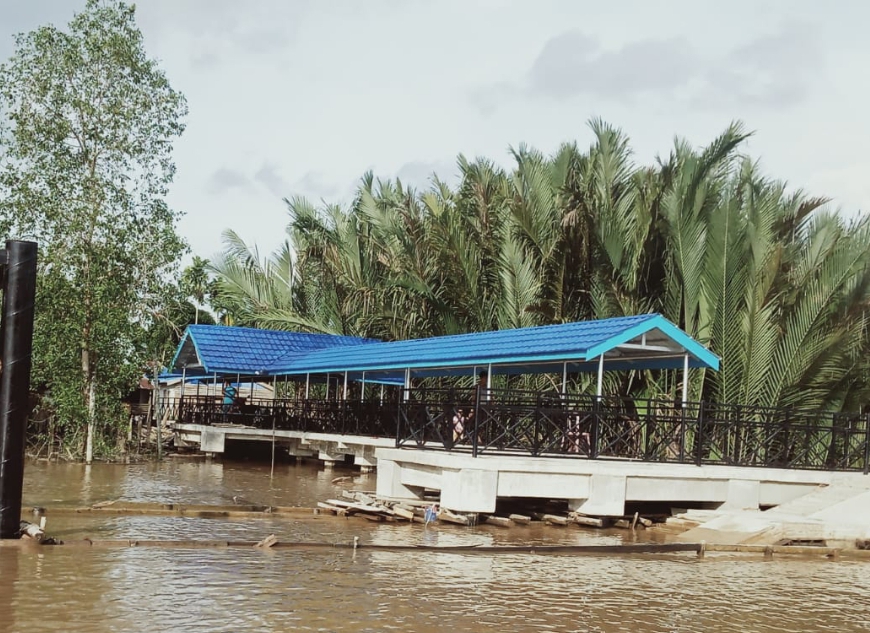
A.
pixel 152 589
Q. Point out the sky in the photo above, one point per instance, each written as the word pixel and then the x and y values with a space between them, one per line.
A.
pixel 301 97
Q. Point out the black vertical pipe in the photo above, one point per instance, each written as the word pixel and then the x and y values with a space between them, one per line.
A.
pixel 16 337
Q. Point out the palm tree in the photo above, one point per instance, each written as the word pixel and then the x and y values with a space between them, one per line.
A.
pixel 769 280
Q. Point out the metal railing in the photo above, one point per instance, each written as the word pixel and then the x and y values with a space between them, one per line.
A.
pixel 543 424
pixel 553 425
pixel 341 417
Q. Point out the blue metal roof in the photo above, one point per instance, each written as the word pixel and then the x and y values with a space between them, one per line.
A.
pixel 659 344
pixel 222 349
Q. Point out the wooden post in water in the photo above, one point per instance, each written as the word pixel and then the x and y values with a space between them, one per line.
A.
pixel 159 410
pixel 16 334
pixel 274 399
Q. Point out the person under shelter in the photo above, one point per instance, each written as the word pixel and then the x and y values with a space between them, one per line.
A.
pixel 229 396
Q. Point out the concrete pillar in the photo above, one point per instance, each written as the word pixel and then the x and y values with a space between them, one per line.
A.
pixel 389 482
pixel 296 449
pixel 329 459
pixel 212 440
pixel 366 463
pixel 469 490
pixel 743 494
pixel 606 497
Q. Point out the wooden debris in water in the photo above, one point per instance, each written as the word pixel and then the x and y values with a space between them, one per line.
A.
pixel 404 513
pixel 369 507
pixel 31 531
pixel 267 542
pixel 191 510
pixel 334 509
pixel 580 519
pixel 373 517
pixel 554 519
pixel 446 515
pixel 499 521
pixel 521 519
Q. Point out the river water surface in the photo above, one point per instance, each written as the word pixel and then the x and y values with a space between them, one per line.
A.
pixel 153 589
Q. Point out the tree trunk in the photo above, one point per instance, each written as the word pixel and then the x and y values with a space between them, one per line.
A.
pixel 90 402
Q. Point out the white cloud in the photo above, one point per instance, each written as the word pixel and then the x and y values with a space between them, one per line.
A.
pixel 300 98
pixel 224 179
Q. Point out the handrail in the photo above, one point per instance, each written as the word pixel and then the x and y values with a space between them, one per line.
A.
pixel 550 424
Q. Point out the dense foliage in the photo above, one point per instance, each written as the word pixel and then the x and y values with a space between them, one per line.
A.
pixel 86 140
pixel 768 278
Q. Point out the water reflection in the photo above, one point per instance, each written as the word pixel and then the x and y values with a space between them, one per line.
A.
pixel 8 590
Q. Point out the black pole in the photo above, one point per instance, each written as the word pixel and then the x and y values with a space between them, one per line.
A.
pixel 16 335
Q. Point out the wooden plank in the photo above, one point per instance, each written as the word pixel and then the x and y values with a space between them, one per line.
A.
pixel 554 519
pixel 267 542
pixel 402 512
pixel 450 517
pixel 341 503
pixel 499 521
pixel 628 549
pixel 168 509
pixel 521 519
pixel 373 517
pixel 358 507
pixel 588 521
pixel 417 503
pixel 365 499
pixel 334 509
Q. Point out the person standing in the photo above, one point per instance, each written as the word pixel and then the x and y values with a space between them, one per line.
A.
pixel 459 425
pixel 481 389
pixel 229 394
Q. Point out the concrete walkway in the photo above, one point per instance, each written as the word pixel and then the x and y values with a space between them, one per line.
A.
pixel 330 448
pixel 599 487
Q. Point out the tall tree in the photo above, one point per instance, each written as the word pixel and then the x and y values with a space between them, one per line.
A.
pixel 195 283
pixel 768 280
pixel 91 120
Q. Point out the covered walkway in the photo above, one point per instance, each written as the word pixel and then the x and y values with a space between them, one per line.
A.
pixel 638 342
pixel 420 392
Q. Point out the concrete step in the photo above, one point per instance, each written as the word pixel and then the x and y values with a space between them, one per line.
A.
pixel 837 514
pixel 817 501
pixel 734 528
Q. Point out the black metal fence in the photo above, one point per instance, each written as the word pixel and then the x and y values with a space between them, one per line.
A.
pixel 342 417
pixel 553 425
